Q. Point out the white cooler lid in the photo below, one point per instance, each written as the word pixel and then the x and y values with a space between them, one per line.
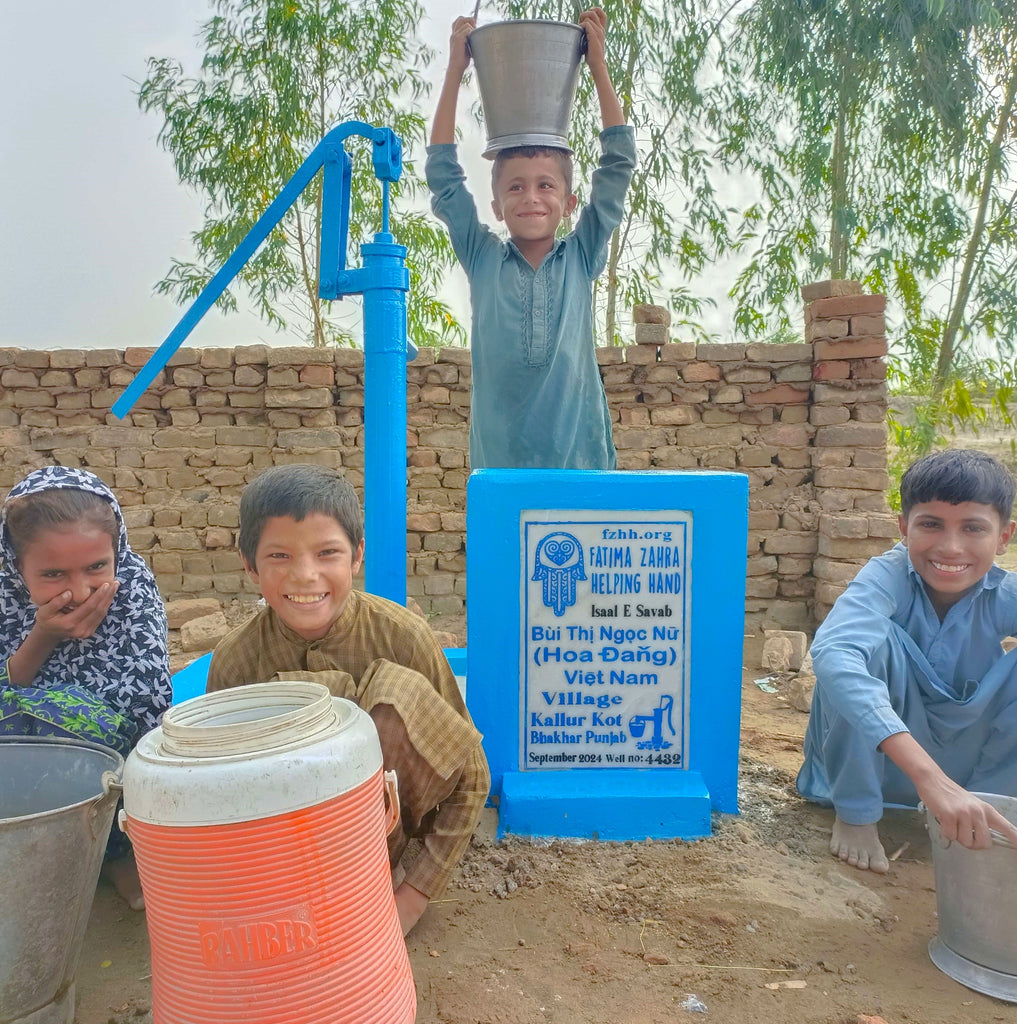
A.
pixel 250 752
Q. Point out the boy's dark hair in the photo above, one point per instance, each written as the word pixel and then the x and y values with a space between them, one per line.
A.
pixel 29 515
pixel 298 490
pixel 562 156
pixel 956 475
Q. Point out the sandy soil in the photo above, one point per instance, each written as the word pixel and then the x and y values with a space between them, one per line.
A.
pixel 758 923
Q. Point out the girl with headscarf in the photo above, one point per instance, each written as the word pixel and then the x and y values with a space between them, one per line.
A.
pixel 82 626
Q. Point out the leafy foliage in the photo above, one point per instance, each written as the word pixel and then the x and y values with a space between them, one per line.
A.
pixel 980 395
pixel 276 76
pixel 882 142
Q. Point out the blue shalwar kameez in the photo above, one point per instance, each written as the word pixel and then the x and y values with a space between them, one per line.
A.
pixel 537 399
pixel 886 664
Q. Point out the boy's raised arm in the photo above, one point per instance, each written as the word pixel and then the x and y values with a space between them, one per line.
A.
pixel 595 23
pixel 443 129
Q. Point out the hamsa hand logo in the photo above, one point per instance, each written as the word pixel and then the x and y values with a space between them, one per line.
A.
pixel 558 563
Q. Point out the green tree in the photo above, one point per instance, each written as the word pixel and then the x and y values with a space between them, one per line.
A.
pixel 275 77
pixel 982 297
pixel 675 221
pixel 883 142
pixel 881 146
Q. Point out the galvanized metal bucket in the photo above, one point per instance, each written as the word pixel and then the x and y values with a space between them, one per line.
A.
pixel 56 808
pixel 527 72
pixel 976 897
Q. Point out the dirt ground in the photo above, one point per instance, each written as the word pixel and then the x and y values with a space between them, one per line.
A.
pixel 756 923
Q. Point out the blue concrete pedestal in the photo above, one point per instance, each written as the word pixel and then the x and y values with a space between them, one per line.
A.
pixel 613 804
pixel 605 624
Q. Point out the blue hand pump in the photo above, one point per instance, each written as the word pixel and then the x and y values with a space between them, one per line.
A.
pixel 383 280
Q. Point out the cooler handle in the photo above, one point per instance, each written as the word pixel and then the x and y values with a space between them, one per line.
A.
pixel 392 808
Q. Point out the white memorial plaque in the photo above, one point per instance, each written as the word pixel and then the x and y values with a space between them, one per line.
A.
pixel 604 651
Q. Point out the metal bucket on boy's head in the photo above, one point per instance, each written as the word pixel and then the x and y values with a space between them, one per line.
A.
pixel 527 73
pixel 976 902
pixel 259 822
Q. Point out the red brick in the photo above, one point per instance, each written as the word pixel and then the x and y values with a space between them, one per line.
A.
pixel 720 353
pixel 782 394
pixel 610 356
pixel 767 354
pixel 423 522
pixel 826 330
pixel 699 372
pixel 424 357
pixel 868 369
pixel 782 435
pixel 637 415
pixel 317 373
pixel 864 326
pixel 459 356
pixel 848 305
pixel 679 351
pixel 294 356
pixel 640 355
pixel 834 370
pixel 137 356
pixel 852 435
pixel 830 288
pixel 851 348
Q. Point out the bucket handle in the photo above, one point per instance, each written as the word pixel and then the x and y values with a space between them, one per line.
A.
pixel 112 783
pixel 574 4
pixel 939 839
pixel 997 837
pixel 112 787
pixel 393 811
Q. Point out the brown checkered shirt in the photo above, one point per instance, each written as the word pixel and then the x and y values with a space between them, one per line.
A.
pixel 369 628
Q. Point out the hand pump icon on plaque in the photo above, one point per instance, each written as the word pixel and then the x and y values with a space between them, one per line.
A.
pixel 638 723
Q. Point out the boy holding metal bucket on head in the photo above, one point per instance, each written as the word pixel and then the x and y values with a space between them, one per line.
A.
pixel 914 697
pixel 538 400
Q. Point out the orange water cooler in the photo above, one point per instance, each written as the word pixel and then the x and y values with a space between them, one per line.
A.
pixel 259 820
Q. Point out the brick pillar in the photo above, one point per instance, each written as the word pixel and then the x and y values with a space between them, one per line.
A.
pixel 847 331
pixel 847 540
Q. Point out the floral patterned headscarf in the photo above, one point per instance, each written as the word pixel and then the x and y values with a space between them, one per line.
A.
pixel 125 661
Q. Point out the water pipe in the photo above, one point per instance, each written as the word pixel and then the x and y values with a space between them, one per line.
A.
pixel 383 280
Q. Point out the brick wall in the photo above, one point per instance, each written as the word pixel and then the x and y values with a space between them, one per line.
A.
pixel 805 422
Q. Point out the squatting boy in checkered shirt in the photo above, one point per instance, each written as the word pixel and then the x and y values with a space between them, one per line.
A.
pixel 302 541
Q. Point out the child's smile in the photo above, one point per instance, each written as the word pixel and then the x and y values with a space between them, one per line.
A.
pixel 305 571
pixel 953 546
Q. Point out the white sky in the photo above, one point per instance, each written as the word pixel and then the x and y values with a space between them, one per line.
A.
pixel 91 211
pixel 90 207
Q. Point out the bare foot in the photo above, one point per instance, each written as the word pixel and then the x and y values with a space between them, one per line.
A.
pixel 859 846
pixel 123 873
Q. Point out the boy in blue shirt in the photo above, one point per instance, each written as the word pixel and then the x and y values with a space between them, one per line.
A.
pixel 538 400
pixel 915 699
